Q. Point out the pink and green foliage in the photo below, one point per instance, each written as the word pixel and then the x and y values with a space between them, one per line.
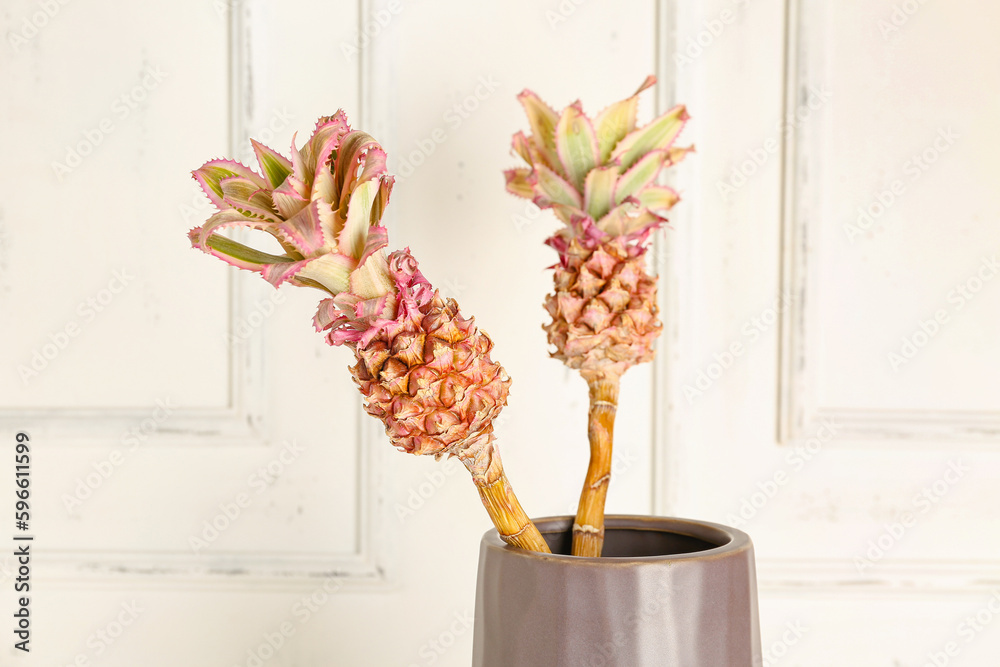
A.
pixel 323 206
pixel 599 176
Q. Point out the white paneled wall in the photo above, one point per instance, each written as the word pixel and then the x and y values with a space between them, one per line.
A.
pixel 207 491
pixel 835 216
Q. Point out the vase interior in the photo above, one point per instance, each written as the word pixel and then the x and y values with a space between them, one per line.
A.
pixel 631 542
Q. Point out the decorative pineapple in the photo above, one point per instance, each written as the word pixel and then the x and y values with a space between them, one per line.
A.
pixel 599 178
pixel 423 369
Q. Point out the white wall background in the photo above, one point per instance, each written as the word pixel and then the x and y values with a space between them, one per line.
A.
pixel 160 387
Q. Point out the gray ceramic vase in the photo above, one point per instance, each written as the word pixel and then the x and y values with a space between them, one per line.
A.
pixel 666 592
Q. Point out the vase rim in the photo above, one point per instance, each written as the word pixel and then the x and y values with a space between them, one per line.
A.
pixel 728 540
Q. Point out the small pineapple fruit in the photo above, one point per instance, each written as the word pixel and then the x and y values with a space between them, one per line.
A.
pixel 423 369
pixel 599 177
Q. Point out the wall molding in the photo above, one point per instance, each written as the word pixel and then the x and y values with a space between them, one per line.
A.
pixel 662 473
pixel 242 420
pixel 800 414
pixel 857 428
pixel 671 262
pixel 912 576
pixel 242 423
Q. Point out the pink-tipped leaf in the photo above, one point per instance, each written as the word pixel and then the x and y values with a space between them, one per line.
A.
pixel 543 119
pixel 616 121
pixel 520 182
pixel 641 174
pixel 576 144
pixel 554 189
pixel 276 167
pixel 657 135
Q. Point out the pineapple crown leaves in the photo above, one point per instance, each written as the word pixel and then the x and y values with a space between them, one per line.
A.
pixel 323 206
pixel 597 175
pixel 356 319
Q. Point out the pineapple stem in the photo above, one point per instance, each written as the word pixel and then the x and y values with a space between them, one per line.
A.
pixel 511 522
pixel 482 459
pixel 588 529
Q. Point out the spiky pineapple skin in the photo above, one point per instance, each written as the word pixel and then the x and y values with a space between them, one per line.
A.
pixel 603 309
pixel 599 176
pixel 432 382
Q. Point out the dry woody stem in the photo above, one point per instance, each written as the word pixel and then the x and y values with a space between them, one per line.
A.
pixel 588 529
pixel 480 456
pixel 511 522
